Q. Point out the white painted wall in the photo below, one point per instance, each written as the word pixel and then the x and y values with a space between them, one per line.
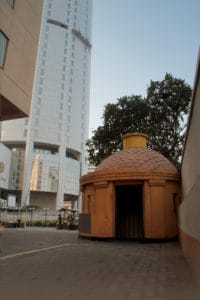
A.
pixel 190 207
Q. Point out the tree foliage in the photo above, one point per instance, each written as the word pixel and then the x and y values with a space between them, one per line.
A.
pixel 129 114
pixel 160 115
pixel 169 102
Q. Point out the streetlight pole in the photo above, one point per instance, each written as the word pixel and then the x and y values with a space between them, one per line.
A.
pixel 31 209
pixel 18 217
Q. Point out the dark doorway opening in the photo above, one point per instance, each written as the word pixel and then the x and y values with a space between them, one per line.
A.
pixel 129 212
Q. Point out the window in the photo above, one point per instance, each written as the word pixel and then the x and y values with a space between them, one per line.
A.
pixel 3 46
pixel 25 132
pixel 36 132
pixel 36 122
pixel 11 3
pixel 37 110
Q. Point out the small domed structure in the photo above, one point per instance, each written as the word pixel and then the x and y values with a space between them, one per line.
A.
pixel 133 194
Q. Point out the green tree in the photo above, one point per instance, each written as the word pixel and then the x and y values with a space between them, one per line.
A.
pixel 129 114
pixel 169 102
pixel 161 116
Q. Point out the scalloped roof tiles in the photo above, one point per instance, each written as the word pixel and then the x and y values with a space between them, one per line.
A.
pixel 137 158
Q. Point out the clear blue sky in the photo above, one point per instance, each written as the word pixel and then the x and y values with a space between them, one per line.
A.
pixel 135 41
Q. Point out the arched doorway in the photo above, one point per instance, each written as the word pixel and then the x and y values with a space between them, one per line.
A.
pixel 129 212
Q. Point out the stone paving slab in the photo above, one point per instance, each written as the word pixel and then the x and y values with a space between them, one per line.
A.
pixel 93 270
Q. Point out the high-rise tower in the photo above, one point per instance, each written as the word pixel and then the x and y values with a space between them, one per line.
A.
pixel 49 146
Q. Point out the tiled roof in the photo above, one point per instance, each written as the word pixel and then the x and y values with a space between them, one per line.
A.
pixel 136 158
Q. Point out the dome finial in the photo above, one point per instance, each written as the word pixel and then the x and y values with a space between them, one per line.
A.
pixel 135 139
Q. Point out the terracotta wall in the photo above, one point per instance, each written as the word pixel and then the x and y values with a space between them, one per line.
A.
pixel 160 220
pixel 101 208
pixel 157 209
pixel 160 213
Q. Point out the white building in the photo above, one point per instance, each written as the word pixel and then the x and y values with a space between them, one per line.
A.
pixel 50 144
pixel 4 166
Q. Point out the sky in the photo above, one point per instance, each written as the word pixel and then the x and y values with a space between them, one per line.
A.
pixel 136 41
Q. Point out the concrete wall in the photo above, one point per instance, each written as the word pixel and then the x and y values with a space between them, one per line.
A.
pixel 21 25
pixel 190 207
pixel 43 200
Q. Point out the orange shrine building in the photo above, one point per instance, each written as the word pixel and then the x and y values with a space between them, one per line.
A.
pixel 133 194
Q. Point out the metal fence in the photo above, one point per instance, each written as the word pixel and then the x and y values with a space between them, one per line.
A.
pixel 29 216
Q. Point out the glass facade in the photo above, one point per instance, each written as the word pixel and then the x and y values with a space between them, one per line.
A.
pixel 60 102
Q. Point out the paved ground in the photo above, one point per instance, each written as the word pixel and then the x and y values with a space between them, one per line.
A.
pixel 49 264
